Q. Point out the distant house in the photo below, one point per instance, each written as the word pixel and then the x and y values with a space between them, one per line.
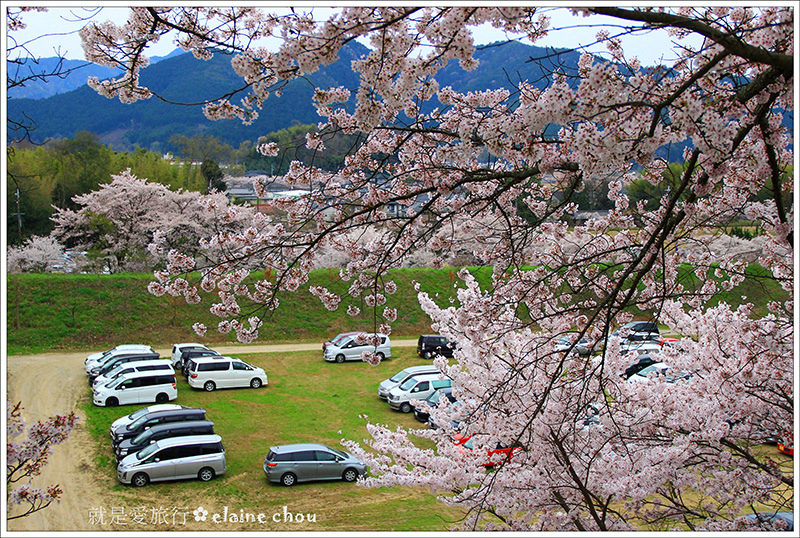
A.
pixel 580 218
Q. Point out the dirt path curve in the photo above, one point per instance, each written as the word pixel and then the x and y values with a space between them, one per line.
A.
pixel 55 383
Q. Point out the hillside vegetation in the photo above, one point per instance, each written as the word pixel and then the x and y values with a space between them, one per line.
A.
pixel 61 311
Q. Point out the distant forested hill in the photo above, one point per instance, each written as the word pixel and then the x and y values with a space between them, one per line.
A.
pixel 182 78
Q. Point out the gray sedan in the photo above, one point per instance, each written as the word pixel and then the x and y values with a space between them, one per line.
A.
pixel 304 462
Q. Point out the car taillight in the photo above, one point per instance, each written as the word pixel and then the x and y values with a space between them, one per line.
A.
pixel 194 376
pixel 174 385
pixel 271 464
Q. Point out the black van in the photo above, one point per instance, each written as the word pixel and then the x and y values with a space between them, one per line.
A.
pixel 163 431
pixel 147 421
pixel 431 345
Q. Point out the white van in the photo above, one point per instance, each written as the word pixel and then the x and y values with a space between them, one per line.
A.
pixel 161 366
pixel 346 347
pixel 137 387
pixel 397 379
pixel 178 349
pixel 209 373
pixel 417 387
pixel 175 458
pixel 96 359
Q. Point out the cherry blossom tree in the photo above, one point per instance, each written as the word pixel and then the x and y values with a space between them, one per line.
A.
pixel 26 457
pixel 37 255
pixel 118 221
pixel 598 453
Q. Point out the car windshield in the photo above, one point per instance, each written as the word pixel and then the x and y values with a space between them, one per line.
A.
pixel 408 384
pixel 658 367
pixel 147 451
pixel 142 437
pixel 338 452
pixel 340 338
pixel 114 382
pixel 434 398
pixel 114 372
pixel 138 422
pixel 399 376
pixel 137 414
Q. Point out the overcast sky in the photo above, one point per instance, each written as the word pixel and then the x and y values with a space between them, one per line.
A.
pixel 56 31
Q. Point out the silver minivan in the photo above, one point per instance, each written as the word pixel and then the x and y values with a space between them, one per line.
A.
pixel 417 387
pixel 304 462
pixel 176 458
pixel 397 379
pixel 349 346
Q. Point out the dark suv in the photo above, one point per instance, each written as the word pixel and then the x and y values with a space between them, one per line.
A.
pixel 153 418
pixel 430 345
pixel 163 431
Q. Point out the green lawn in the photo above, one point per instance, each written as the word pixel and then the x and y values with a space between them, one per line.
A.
pixel 306 400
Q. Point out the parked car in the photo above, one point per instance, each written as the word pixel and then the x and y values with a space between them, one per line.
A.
pixel 152 418
pixel 211 373
pixel 778 521
pixel 112 363
pixel 417 387
pixel 127 419
pixel 671 375
pixel 163 431
pixel 96 359
pixel 177 458
pixel 432 345
pixel 304 462
pixel 400 377
pixel 135 388
pixel 637 327
pixel 581 347
pixel 190 354
pixel 162 366
pixel 642 361
pixel 785 443
pixel 422 413
pixel 179 349
pixel 349 347
pixel 495 456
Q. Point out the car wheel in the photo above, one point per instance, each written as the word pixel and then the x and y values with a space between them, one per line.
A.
pixel 350 475
pixel 255 383
pixel 405 407
pixel 112 402
pixel 205 474
pixel 162 398
pixel 339 358
pixel 209 386
pixel 380 355
pixel 288 480
pixel 140 479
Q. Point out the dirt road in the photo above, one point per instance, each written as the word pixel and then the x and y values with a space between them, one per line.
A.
pixel 55 383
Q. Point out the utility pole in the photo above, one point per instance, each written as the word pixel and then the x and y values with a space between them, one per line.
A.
pixel 18 214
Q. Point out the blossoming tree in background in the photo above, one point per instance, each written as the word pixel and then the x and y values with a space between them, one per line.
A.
pixel 26 457
pixel 598 453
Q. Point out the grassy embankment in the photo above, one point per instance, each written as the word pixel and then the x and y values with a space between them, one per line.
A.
pixel 57 311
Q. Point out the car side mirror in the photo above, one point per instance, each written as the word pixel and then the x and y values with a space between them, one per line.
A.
pixel 157 460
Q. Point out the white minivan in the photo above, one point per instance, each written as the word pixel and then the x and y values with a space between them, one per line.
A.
pixel 209 373
pixel 160 365
pixel 397 379
pixel 417 387
pixel 96 359
pixel 137 387
pixel 349 346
